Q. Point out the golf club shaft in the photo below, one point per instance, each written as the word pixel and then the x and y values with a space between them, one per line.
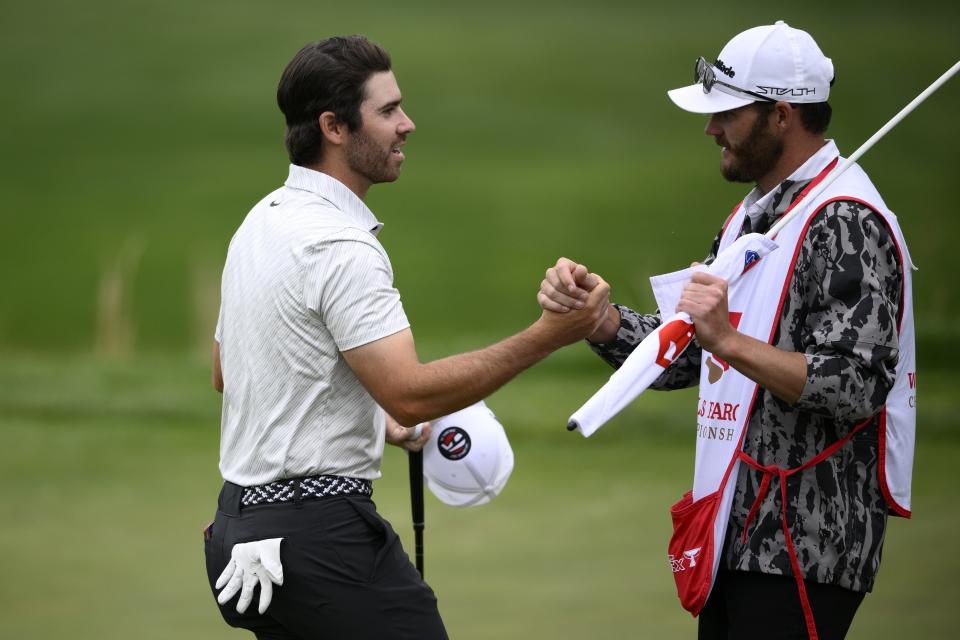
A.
pixel 416 505
pixel 894 121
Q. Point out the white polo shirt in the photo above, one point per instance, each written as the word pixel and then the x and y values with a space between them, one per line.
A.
pixel 305 278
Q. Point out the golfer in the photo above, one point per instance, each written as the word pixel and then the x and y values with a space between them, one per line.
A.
pixel 316 362
pixel 811 494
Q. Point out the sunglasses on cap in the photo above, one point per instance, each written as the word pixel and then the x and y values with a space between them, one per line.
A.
pixel 704 74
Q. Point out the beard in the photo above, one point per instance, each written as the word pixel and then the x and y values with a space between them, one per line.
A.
pixel 370 160
pixel 755 157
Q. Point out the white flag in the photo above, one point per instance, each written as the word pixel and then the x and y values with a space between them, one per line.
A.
pixel 664 345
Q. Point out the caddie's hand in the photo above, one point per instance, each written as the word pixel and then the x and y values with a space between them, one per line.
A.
pixel 566 286
pixel 412 439
pixel 251 563
pixel 577 324
pixel 704 298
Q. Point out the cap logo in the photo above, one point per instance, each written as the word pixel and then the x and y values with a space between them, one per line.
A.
pixel 727 71
pixel 453 443
pixel 796 92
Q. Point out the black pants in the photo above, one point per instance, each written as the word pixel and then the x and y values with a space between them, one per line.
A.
pixel 345 572
pixel 746 606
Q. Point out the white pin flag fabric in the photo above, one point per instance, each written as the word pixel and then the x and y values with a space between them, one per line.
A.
pixel 664 345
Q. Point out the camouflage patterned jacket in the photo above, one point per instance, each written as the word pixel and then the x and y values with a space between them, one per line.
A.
pixel 841 311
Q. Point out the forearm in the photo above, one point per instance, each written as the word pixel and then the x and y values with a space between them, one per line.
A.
pixel 830 385
pixel 782 373
pixel 442 386
pixel 412 392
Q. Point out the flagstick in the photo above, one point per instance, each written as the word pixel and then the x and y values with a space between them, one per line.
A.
pixel 836 173
pixel 624 396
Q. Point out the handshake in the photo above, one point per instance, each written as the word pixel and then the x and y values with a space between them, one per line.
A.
pixel 576 304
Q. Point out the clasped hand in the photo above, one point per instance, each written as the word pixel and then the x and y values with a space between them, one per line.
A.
pixel 570 287
pixel 567 286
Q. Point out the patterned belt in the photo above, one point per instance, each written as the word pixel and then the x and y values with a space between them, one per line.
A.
pixel 306 488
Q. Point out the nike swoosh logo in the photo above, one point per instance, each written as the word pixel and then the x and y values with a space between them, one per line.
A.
pixel 274 203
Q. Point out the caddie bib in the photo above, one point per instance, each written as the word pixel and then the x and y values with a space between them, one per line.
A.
pixel 727 397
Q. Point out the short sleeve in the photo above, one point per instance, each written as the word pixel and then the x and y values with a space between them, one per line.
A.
pixel 349 288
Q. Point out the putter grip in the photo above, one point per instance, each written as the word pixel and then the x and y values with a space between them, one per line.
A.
pixel 416 505
pixel 416 487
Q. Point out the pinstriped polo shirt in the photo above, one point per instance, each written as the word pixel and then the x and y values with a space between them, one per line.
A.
pixel 305 279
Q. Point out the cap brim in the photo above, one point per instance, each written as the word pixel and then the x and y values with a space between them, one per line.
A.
pixel 461 497
pixel 455 498
pixel 693 99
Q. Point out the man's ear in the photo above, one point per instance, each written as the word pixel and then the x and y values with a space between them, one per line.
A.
pixel 334 130
pixel 784 115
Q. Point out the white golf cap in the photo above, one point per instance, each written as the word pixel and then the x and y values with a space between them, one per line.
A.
pixel 774 61
pixel 468 458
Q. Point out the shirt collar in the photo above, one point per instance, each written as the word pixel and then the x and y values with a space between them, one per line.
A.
pixel 763 208
pixel 336 193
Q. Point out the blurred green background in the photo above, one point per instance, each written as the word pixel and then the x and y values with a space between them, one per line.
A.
pixel 137 134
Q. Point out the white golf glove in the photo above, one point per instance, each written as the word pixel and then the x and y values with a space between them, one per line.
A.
pixel 252 563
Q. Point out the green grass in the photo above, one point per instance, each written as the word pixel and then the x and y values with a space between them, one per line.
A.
pixel 109 472
pixel 543 130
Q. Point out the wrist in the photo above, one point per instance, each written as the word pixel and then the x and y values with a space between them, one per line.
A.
pixel 729 347
pixel 541 337
pixel 608 329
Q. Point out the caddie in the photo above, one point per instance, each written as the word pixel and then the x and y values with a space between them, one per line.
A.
pixel 806 417
pixel 316 362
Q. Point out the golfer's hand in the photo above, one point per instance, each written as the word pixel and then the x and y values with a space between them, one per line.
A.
pixel 704 298
pixel 566 286
pixel 411 439
pixel 251 563
pixel 576 324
